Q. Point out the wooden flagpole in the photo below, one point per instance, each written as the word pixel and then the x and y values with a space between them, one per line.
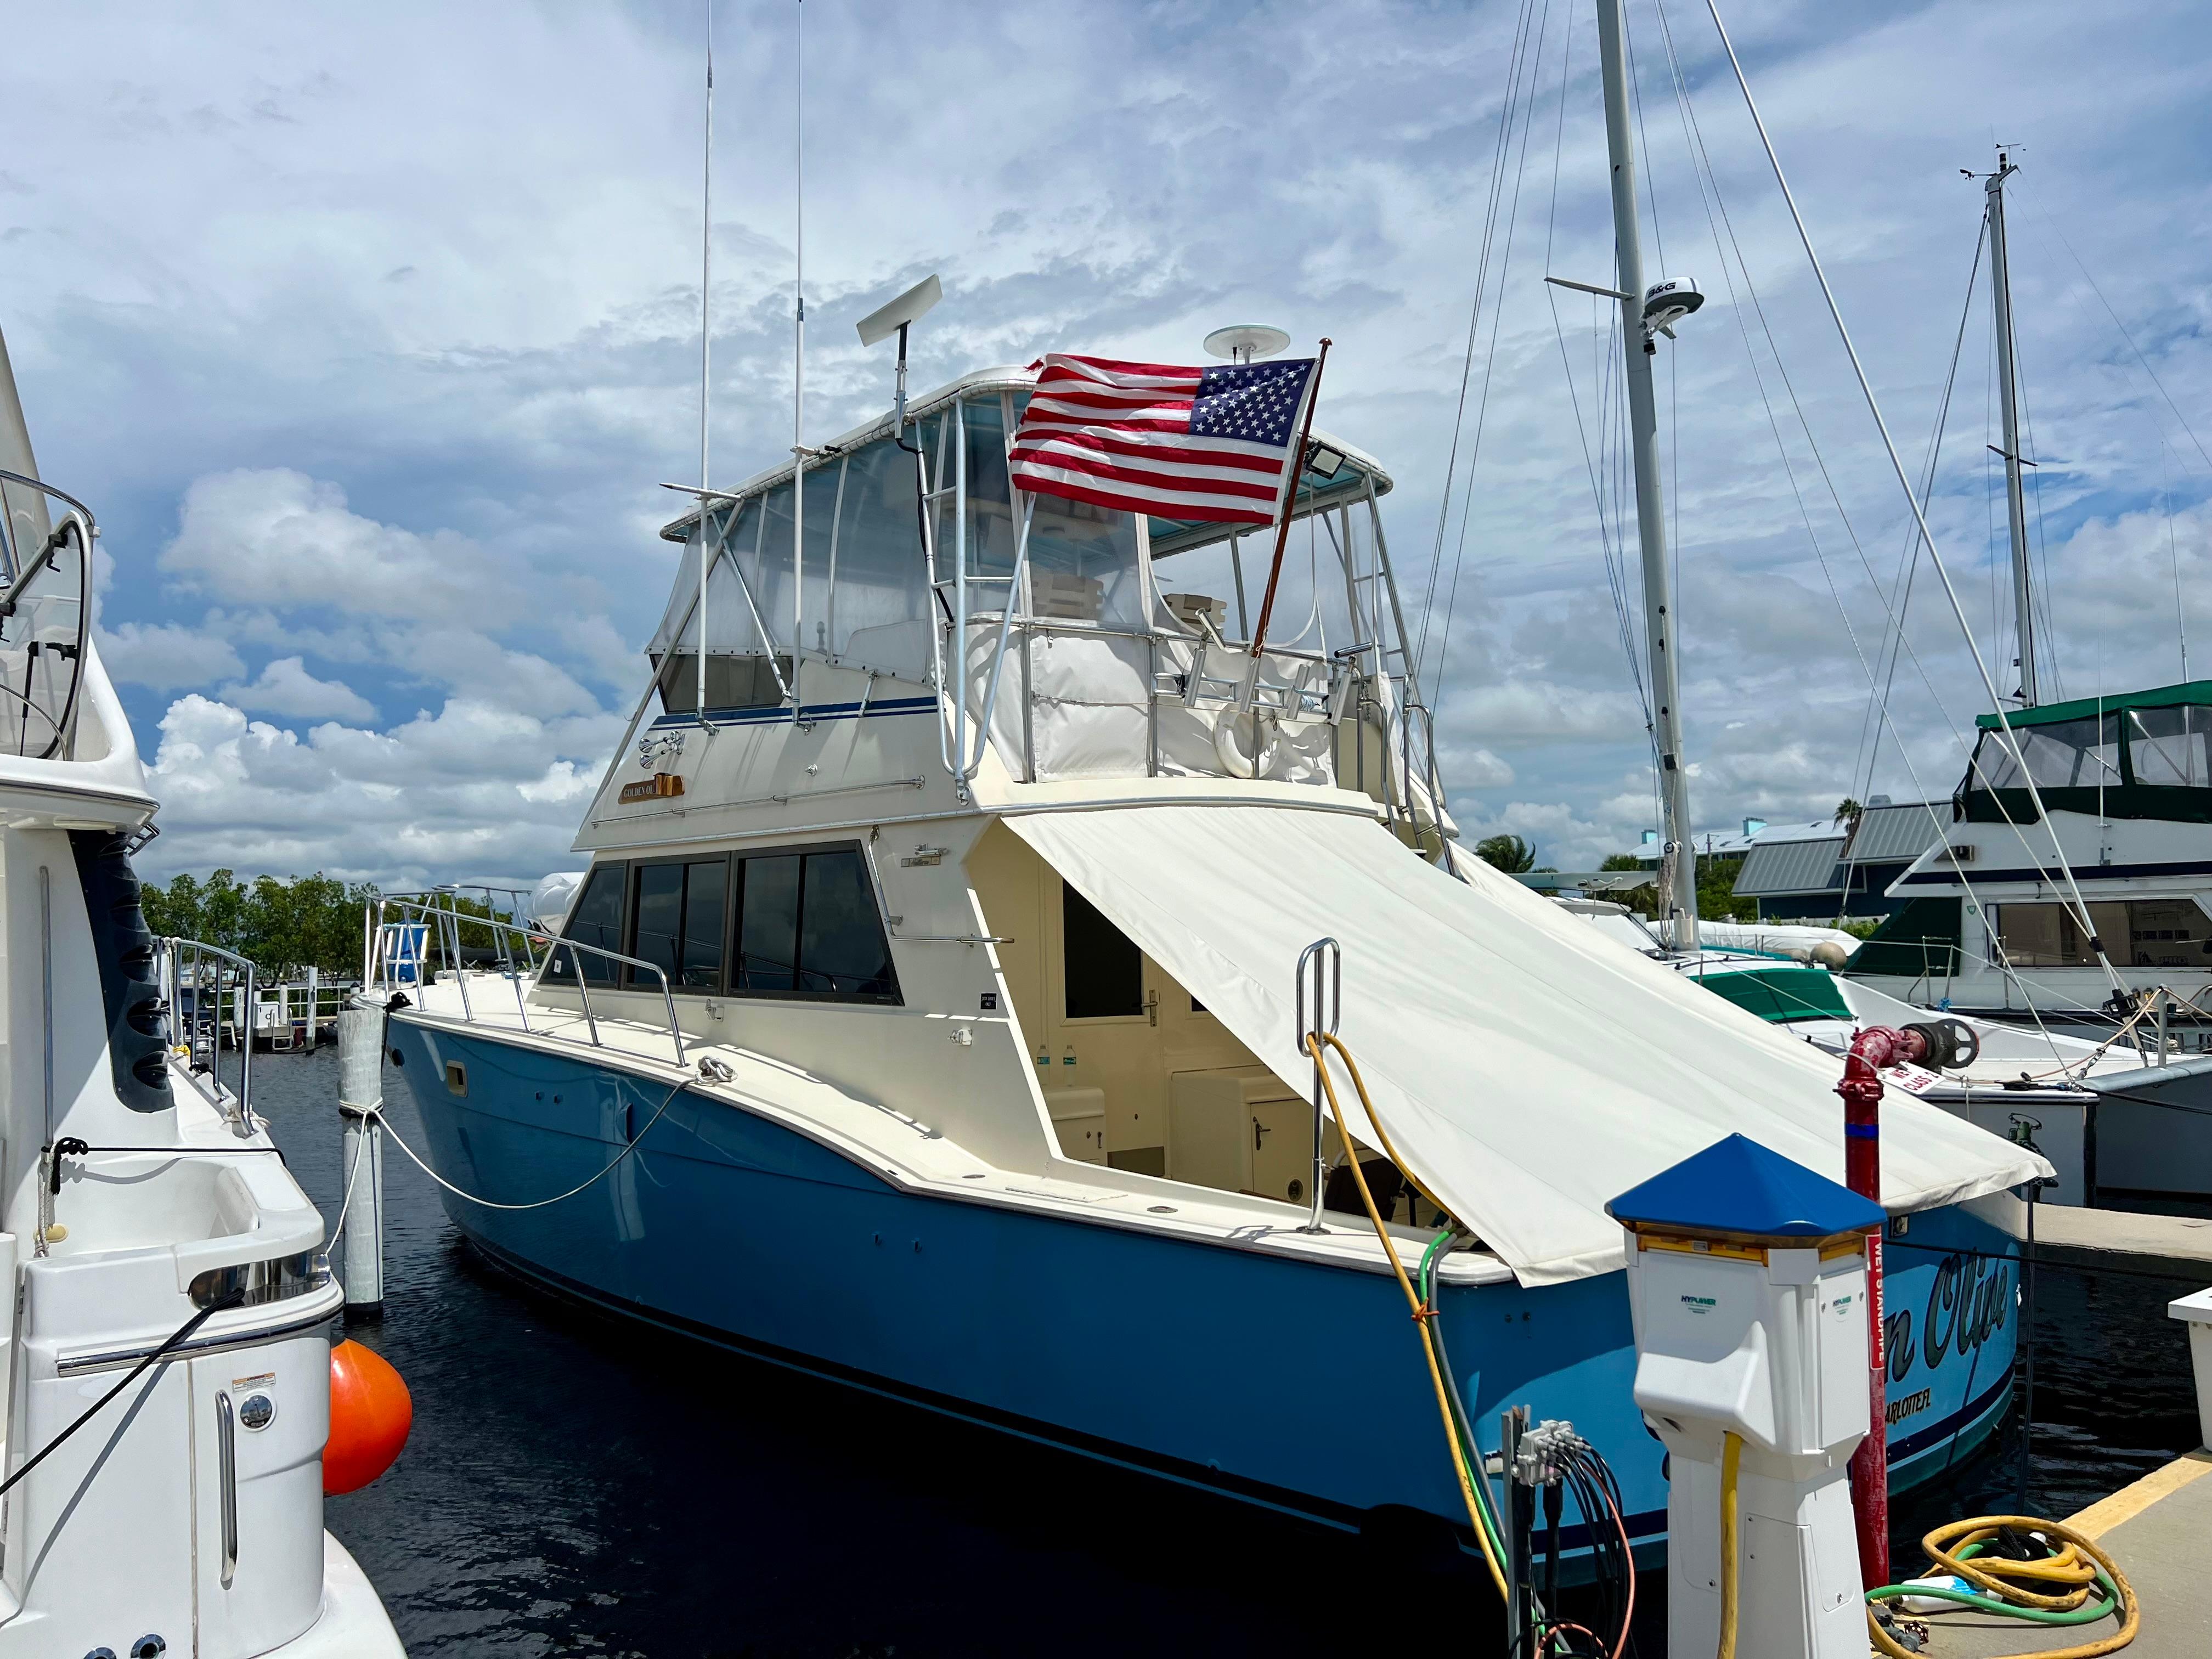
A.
pixel 1290 498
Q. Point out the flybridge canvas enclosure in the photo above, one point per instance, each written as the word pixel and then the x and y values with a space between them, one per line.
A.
pixel 2131 754
pixel 1527 1068
pixel 1091 599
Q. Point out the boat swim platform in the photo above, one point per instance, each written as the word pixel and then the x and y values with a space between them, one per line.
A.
pixel 2159 1531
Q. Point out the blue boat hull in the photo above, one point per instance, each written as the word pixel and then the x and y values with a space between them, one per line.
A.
pixel 1287 1383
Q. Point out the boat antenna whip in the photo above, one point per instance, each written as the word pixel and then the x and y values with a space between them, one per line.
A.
pixel 707 546
pixel 1913 503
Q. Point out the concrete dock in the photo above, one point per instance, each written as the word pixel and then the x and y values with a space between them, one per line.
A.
pixel 2159 1531
pixel 2069 1236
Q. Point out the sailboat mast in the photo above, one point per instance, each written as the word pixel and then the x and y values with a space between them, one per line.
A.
pixel 2009 399
pixel 1637 350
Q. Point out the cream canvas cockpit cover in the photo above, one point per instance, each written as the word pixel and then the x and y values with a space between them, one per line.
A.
pixel 1527 1069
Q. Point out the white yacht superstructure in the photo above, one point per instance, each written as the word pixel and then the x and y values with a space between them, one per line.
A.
pixel 167 1374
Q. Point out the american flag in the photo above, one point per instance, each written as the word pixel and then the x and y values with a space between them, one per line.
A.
pixel 1180 443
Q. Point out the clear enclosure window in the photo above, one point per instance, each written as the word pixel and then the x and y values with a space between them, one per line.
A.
pixel 1101 966
pixel 2166 746
pixel 878 609
pixel 2078 754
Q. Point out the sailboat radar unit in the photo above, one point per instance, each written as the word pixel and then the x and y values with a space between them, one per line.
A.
pixel 1666 303
pixel 1241 343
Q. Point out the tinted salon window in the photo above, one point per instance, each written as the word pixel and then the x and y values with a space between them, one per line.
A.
pixel 1103 969
pixel 677 915
pixel 596 920
pixel 808 927
pixel 767 925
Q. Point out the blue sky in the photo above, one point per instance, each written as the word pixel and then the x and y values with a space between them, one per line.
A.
pixel 371 332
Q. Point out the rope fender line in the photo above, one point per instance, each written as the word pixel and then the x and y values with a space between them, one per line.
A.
pixel 629 1146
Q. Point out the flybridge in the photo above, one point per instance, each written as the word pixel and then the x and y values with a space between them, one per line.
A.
pixel 2130 755
pixel 900 569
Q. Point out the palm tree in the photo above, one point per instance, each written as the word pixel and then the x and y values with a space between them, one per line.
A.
pixel 1508 853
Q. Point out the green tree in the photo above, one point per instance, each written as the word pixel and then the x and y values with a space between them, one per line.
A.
pixel 1508 853
pixel 282 927
pixel 1848 811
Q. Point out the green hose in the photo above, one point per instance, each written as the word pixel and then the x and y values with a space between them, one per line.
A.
pixel 2087 1613
pixel 1461 1430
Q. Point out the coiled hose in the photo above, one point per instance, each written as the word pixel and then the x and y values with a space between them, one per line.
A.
pixel 2089 1583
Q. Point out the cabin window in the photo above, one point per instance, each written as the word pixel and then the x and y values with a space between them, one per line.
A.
pixel 597 920
pixel 678 914
pixel 2136 933
pixel 2166 746
pixel 1101 966
pixel 2077 753
pixel 808 927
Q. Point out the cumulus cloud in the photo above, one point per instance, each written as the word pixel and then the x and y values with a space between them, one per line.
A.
pixel 277 537
pixel 285 687
pixel 166 656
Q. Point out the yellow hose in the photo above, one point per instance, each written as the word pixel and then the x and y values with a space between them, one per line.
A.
pixel 1466 1477
pixel 2074 1567
pixel 1731 1589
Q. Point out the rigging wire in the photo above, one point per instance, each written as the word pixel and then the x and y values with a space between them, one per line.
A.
pixel 2174 552
pixel 1607 543
pixel 1908 566
pixel 1502 148
pixel 1894 622
pixel 2053 225
pixel 1490 360
pixel 2005 725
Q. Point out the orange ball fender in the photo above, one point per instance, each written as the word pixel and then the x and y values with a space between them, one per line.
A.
pixel 371 1412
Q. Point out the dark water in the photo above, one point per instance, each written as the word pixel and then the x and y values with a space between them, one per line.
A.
pixel 578 1485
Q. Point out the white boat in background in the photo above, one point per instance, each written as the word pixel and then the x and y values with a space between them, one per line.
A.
pixel 2116 1112
pixel 167 1378
pixel 2126 788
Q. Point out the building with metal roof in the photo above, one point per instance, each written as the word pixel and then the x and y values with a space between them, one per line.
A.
pixel 1839 868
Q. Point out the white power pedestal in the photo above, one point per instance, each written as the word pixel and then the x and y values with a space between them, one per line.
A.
pixel 1747 1278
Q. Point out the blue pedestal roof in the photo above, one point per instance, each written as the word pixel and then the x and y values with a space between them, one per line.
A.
pixel 1738 1186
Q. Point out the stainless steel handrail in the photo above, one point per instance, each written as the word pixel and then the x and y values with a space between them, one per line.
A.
pixel 226 1441
pixel 421 910
pixel 77 525
pixel 244 1001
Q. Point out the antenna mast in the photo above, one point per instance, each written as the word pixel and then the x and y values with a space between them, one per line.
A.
pixel 1681 857
pixel 2008 400
pixel 705 339
pixel 799 451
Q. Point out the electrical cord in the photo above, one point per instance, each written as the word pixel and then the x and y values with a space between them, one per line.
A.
pixel 182 1334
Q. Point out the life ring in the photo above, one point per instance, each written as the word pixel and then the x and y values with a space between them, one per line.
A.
pixel 1233 759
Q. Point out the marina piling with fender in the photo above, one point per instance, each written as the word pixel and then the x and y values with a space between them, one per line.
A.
pixel 361 1216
